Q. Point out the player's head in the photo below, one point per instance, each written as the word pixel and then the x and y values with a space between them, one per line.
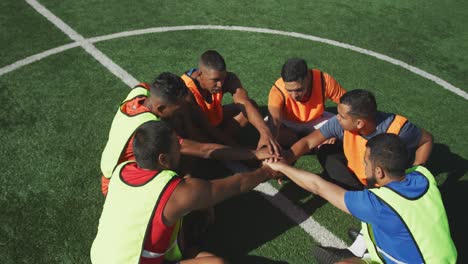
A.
pixel 386 157
pixel 156 146
pixel 212 71
pixel 168 92
pixel 357 108
pixel 296 77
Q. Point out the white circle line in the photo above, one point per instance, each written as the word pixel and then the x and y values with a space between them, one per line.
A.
pixel 383 57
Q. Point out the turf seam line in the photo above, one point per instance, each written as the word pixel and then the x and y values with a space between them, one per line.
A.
pixel 444 84
pixel 84 43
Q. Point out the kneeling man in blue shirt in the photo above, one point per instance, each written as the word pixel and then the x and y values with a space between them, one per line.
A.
pixel 403 217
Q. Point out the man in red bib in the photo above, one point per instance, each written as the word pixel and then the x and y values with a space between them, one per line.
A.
pixel 147 199
pixel 161 100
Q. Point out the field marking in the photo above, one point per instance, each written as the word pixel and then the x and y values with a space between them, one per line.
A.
pixel 306 222
pixel 37 57
pixel 295 213
pixel 85 44
pixel 119 72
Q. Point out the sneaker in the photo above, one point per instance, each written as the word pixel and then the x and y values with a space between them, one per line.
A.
pixel 353 234
pixel 330 255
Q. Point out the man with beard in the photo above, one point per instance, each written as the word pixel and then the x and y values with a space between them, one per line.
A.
pixel 358 121
pixel 403 217
pixel 296 103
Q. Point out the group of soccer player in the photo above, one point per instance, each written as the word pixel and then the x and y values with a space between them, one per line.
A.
pixel 159 199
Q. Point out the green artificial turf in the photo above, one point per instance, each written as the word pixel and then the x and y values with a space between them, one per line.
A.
pixel 55 114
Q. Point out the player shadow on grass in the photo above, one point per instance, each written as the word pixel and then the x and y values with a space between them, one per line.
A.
pixel 244 224
pixel 454 193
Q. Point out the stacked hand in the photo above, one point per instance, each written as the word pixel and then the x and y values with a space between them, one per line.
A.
pixel 271 173
pixel 264 154
pixel 267 140
pixel 276 166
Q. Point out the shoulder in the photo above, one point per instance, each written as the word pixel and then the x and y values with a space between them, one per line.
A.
pixel 364 204
pixel 413 186
pixel 190 187
pixel 384 120
pixel 278 86
pixel 332 128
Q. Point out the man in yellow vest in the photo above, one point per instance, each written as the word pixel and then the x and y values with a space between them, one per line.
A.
pixel 402 213
pixel 163 99
pixel 297 101
pixel 140 221
pixel 356 122
pixel 220 122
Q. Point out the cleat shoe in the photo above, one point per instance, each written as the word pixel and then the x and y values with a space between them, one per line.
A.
pixel 353 234
pixel 330 255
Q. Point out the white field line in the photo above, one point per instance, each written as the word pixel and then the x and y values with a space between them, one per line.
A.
pixel 37 57
pixel 306 222
pixel 444 84
pixel 88 46
pixel 319 233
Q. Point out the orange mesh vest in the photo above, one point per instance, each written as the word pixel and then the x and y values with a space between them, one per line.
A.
pixel 303 112
pixel 354 146
pixel 213 110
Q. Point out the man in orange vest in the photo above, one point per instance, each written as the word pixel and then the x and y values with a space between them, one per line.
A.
pixel 297 101
pixel 208 84
pixel 358 121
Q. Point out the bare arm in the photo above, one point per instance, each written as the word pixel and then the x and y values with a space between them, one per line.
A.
pixel 304 145
pixel 424 148
pixel 275 120
pixel 313 183
pixel 221 152
pixel 240 96
pixel 193 194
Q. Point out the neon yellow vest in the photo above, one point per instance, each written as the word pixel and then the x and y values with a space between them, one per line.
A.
pixel 123 127
pixel 127 212
pixel 425 218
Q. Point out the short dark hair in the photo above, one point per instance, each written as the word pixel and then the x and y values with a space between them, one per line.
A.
pixel 151 139
pixel 169 87
pixel 361 102
pixel 389 152
pixel 294 70
pixel 211 59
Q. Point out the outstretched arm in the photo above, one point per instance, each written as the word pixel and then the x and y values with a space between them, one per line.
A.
pixel 313 183
pixel 304 145
pixel 275 120
pixel 240 96
pixel 193 194
pixel 221 152
pixel 424 148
